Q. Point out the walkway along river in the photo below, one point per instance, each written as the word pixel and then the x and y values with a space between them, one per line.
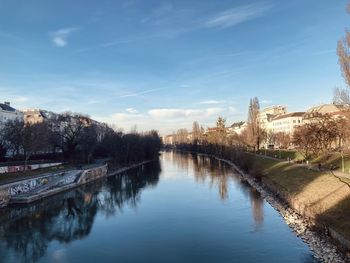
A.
pixel 184 208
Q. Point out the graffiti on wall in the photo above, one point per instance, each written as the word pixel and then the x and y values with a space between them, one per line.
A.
pixel 93 174
pixel 26 186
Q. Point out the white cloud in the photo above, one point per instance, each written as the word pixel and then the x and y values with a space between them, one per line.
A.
pixel 20 99
pixel 237 15
pixel 166 120
pixel 131 110
pixel 266 101
pixel 127 117
pixel 232 109
pixel 211 102
pixel 213 111
pixel 184 113
pixel 59 37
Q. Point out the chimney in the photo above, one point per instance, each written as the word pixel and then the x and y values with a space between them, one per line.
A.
pixel 7 103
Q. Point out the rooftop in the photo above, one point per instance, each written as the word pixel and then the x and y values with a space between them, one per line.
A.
pixel 292 114
pixel 6 107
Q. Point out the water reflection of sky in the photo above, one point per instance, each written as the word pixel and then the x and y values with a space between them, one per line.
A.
pixel 186 208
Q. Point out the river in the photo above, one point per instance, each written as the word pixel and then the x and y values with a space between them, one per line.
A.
pixel 184 208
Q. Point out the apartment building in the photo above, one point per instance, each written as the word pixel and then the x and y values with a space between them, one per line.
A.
pixel 9 113
pixel 287 123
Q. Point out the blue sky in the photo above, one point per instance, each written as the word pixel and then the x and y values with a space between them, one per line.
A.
pixel 164 64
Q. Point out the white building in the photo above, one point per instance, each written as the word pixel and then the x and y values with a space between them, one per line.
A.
pixel 238 127
pixel 266 115
pixel 287 123
pixel 8 113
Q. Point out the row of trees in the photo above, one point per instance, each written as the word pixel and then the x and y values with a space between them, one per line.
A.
pixel 319 134
pixel 77 138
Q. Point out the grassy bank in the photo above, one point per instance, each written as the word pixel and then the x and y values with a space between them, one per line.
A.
pixel 318 194
pixel 331 160
pixel 282 154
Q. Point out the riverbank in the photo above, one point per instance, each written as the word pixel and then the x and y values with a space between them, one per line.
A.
pixel 276 187
pixel 42 186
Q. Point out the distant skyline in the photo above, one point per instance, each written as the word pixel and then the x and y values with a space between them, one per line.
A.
pixel 164 64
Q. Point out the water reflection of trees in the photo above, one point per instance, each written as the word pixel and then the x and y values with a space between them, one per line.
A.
pixel 206 169
pixel 218 174
pixel 27 230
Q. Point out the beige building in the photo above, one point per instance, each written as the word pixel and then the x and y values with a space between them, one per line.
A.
pixel 266 115
pixel 287 123
pixel 32 116
pixel 324 109
pixel 9 113
pixel 168 139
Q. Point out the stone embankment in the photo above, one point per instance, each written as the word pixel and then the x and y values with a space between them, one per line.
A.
pixel 29 190
pixel 318 240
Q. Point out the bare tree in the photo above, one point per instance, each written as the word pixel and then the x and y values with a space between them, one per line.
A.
pixel 319 136
pixel 343 52
pixel 34 139
pixel 255 133
pixel 341 96
pixel 12 133
pixel 3 145
pixel 196 133
pixel 181 136
pixel 282 139
pixel 88 141
pixel 67 131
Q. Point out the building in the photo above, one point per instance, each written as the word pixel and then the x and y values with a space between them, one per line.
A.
pixel 330 109
pixel 266 115
pixel 287 123
pixel 168 139
pixel 9 113
pixel 238 127
pixel 32 116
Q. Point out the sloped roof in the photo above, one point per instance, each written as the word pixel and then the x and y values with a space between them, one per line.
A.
pixel 292 114
pixel 326 108
pixel 6 107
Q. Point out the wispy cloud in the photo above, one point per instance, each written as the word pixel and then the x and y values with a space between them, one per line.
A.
pixel 111 44
pixel 135 94
pixel 184 113
pixel 163 10
pixel 131 110
pixel 237 15
pixel 127 117
pixel 211 102
pixel 60 36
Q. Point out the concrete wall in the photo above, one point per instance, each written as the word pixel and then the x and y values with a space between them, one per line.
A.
pixel 16 168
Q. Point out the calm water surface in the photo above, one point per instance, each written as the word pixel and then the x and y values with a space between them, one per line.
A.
pixel 186 208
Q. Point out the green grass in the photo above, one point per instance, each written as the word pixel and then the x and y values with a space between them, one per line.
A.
pixel 325 197
pixel 326 160
pixel 282 154
pixel 290 177
pixel 333 159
